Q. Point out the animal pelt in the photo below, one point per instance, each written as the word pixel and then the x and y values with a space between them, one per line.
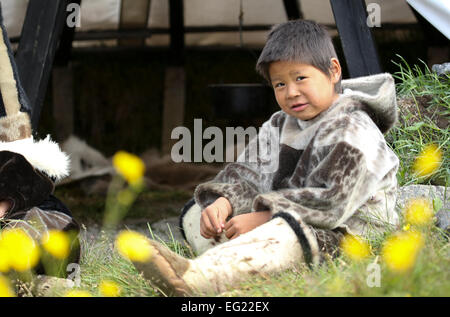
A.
pixel 20 183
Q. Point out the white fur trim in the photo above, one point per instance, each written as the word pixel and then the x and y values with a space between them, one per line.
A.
pixel 45 155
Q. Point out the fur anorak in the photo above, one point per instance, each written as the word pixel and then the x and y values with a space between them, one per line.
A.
pixel 334 171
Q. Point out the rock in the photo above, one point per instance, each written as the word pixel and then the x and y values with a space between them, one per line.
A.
pixel 427 191
pixel 49 286
pixel 161 230
pixel 432 192
pixel 441 69
pixel 443 220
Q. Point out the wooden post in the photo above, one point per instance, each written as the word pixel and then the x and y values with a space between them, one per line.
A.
pixel 174 100
pixel 357 42
pixel 63 102
pixel 62 85
pixel 174 84
pixel 134 15
pixel 42 28
pixel 64 50
pixel 293 9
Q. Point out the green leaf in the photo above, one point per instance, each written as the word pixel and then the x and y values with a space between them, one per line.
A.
pixel 415 127
pixel 437 204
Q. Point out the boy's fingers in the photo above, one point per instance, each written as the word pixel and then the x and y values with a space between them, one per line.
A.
pixel 202 230
pixel 207 227
pixel 230 232
pixel 207 234
pixel 228 224
pixel 213 215
pixel 235 236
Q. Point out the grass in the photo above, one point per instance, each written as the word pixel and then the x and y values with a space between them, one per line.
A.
pixel 340 276
pixel 417 126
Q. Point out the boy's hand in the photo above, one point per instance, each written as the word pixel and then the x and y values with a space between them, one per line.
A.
pixel 4 207
pixel 244 223
pixel 213 218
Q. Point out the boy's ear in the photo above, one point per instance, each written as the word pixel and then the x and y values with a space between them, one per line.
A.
pixel 335 70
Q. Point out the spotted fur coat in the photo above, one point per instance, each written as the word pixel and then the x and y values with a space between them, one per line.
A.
pixel 332 172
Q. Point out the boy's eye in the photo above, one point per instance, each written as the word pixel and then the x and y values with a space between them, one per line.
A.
pixel 300 77
pixel 278 85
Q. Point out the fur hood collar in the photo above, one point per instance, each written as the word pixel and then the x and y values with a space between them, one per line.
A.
pixel 44 155
pixel 375 92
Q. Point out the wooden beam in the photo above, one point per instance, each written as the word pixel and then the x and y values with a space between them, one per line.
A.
pixel 42 28
pixel 356 38
pixel 293 10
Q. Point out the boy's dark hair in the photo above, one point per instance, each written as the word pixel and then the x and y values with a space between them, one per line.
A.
pixel 298 41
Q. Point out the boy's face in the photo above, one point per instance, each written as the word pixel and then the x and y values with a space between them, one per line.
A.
pixel 302 90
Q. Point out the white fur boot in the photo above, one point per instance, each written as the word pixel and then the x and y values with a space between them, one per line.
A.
pixel 272 247
pixel 190 224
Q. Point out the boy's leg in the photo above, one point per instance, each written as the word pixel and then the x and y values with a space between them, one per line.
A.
pixel 272 247
pixel 190 227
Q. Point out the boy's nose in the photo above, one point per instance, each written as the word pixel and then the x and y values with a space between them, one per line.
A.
pixel 292 91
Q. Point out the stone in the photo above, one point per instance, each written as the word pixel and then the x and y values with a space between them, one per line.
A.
pixel 165 229
pixel 441 69
pixel 435 193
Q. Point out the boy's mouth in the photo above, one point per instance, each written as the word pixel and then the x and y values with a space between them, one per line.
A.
pixel 299 106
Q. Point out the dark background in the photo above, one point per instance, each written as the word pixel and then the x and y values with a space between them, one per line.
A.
pixel 119 93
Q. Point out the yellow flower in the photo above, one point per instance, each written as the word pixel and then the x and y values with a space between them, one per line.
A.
pixel 130 166
pixel 23 252
pixel 406 227
pixel 57 243
pixel 428 161
pixel 418 211
pixel 134 246
pixel 5 288
pixel 354 247
pixel 4 257
pixel 400 251
pixel 109 289
pixel 77 293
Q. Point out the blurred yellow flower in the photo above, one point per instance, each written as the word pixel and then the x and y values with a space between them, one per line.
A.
pixel 4 257
pixel 428 161
pixel 57 243
pixel 22 251
pixel 418 211
pixel 354 247
pixel 5 288
pixel 134 246
pixel 130 166
pixel 406 227
pixel 77 293
pixel 109 289
pixel 400 251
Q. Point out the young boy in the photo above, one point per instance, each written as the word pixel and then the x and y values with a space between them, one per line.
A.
pixel 335 174
pixel 28 168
